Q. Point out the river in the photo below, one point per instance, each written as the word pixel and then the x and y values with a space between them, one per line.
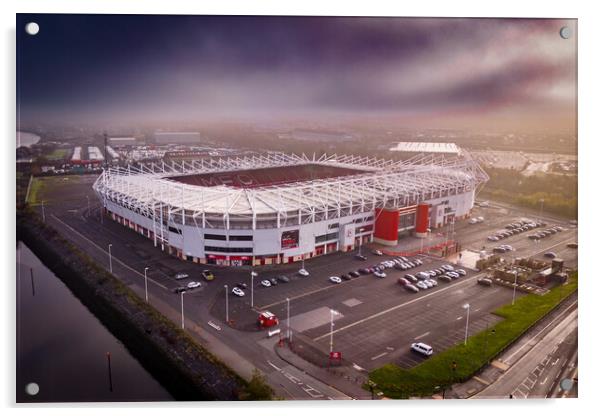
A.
pixel 62 347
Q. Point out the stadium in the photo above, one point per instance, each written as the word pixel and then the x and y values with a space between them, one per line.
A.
pixel 278 208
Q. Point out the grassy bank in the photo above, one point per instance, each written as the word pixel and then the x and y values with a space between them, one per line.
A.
pixel 439 371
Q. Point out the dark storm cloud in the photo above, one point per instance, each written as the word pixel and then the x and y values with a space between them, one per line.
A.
pixel 191 65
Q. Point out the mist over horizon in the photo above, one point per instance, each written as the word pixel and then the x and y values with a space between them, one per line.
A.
pixel 478 74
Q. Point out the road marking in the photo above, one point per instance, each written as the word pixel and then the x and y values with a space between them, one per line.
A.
pixel 376 357
pixel 555 362
pixel 423 335
pixel 458 318
pixel 214 325
pixel 544 381
pixel 376 315
pixel 115 259
pixel 274 365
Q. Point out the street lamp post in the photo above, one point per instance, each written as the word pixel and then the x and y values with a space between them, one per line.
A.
pixel 514 288
pixel 110 259
pixel 467 307
pixel 43 212
pixel 288 320
pixel 332 314
pixel 253 275
pixel 182 307
pixel 361 238
pixel 541 209
pixel 227 316
pixel 145 285
pixel 88 199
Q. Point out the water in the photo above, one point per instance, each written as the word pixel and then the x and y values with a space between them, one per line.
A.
pixel 63 348
pixel 26 139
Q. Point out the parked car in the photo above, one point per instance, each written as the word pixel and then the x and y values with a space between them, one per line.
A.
pixel 380 274
pixel 266 283
pixel 550 255
pixel 193 285
pixel 335 279
pixel 241 285
pixel 273 281
pixel 447 267
pixel 453 275
pixel 422 348
pixel 365 271
pixel 428 283
pixel 238 292
pixel 572 245
pixel 354 274
pixel 423 275
pixel 360 257
pixel 411 288
pixel 485 281
pixel 411 278
pixel 422 285
pixel 179 289
pixel 377 252
pixel 283 279
pixel 445 278
pixel 345 276
pixel 208 275
pixel 180 276
pixel 431 281
pixel 418 262
pixel 303 272
pixel 461 272
pixel 402 281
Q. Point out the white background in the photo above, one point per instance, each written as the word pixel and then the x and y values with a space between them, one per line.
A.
pixel 590 44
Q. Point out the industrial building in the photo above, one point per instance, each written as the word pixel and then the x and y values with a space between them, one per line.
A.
pixel 162 137
pixel 279 208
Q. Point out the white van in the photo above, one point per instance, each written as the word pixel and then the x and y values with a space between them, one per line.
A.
pixel 422 348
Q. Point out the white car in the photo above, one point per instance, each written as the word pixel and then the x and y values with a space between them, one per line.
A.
pixel 431 281
pixel 380 274
pixel 422 285
pixel 472 221
pixel 266 283
pixel 377 252
pixel 238 292
pixel 303 272
pixel 192 285
pixel 428 283
pixel 335 279
pixel 181 276
pixel 422 348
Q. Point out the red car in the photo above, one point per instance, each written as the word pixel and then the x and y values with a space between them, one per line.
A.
pixel 267 319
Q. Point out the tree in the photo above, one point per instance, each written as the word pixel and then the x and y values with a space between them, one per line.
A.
pixel 257 388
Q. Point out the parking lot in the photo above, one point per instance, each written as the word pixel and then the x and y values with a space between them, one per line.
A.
pixel 376 318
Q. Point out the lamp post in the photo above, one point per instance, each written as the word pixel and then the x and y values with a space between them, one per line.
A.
pixel 467 307
pixel 110 259
pixel 361 238
pixel 332 314
pixel 227 316
pixel 514 288
pixel 88 199
pixel 288 320
pixel 43 212
pixel 541 209
pixel 145 285
pixel 253 275
pixel 182 306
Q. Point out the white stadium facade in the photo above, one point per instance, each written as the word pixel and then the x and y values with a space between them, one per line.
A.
pixel 279 208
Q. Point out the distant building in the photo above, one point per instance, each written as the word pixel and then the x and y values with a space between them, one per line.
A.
pixel 123 141
pixel 427 148
pixel 177 137
pixel 320 136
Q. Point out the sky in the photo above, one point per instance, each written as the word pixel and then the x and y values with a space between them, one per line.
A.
pixel 432 72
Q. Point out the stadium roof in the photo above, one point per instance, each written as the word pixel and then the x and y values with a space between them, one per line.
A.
pixel 380 183
pixel 426 147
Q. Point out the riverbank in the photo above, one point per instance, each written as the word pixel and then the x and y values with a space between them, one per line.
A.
pixel 182 366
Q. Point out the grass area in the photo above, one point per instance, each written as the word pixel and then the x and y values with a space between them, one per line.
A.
pixel 58 154
pixel 34 192
pixel 440 371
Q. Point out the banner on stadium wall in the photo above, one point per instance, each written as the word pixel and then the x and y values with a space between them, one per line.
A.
pixel 289 239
